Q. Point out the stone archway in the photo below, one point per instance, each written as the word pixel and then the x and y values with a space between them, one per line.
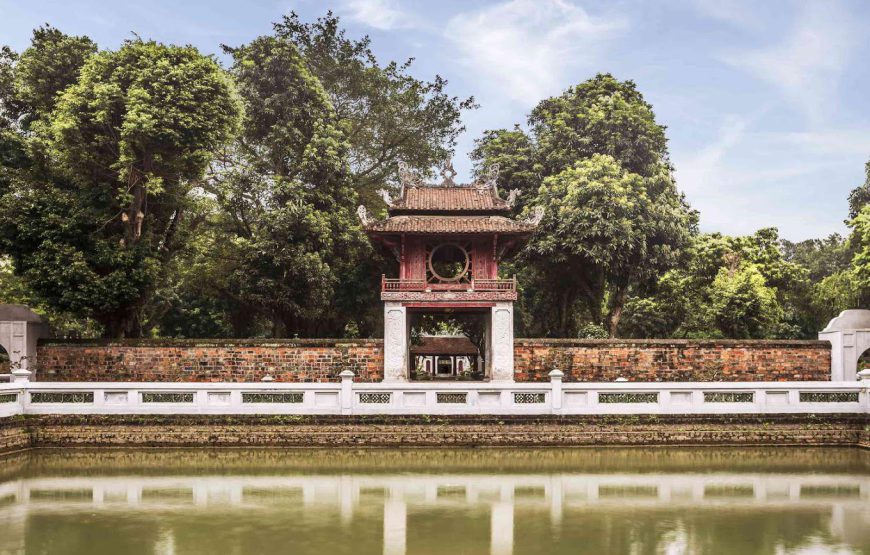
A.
pixel 20 329
pixel 849 334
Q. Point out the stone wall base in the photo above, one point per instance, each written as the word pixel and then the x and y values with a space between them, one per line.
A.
pixel 400 431
pixel 14 434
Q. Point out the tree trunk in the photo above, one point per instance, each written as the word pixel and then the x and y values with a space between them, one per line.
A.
pixel 563 314
pixel 616 310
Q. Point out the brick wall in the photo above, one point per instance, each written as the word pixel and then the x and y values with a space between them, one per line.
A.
pixel 672 360
pixel 305 360
pixel 312 360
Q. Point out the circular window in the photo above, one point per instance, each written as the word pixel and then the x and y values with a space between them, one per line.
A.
pixel 449 262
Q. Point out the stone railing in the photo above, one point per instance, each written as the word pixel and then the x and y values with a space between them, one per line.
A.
pixel 454 398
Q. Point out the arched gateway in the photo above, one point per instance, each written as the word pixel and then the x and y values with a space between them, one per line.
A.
pixel 448 240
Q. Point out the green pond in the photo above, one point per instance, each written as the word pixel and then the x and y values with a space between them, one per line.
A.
pixel 452 502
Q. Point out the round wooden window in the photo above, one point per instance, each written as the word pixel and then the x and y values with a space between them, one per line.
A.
pixel 449 262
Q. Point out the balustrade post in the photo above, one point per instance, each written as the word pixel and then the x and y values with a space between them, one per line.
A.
pixel 346 391
pixel 864 380
pixel 20 375
pixel 556 390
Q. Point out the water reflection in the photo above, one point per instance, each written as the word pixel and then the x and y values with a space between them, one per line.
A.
pixel 437 501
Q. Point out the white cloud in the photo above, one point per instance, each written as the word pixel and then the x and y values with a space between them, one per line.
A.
pixel 807 64
pixel 527 47
pixel 698 169
pixel 380 14
pixel 735 12
pixel 747 178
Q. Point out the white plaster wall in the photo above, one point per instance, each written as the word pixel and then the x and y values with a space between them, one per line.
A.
pixel 502 342
pixel 395 342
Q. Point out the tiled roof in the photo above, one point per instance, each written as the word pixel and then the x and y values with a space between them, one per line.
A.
pixel 444 345
pixel 451 199
pixel 450 224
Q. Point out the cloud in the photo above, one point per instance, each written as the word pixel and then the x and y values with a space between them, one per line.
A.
pixel 807 63
pixel 735 12
pixel 746 177
pixel 697 170
pixel 379 14
pixel 527 47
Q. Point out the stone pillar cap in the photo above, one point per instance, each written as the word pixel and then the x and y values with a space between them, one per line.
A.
pixel 853 319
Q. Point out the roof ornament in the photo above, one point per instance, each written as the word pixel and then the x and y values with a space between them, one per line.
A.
pixel 448 173
pixel 536 216
pixel 363 215
pixel 407 178
pixel 512 197
pixel 386 196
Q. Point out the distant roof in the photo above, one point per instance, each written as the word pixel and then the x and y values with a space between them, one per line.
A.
pixel 449 199
pixel 419 197
pixel 18 313
pixel 451 224
pixel 444 345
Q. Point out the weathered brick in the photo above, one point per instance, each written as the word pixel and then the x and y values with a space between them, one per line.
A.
pixel 318 360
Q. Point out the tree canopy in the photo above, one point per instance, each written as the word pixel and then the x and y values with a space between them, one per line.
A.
pixel 614 217
pixel 93 219
pixel 147 189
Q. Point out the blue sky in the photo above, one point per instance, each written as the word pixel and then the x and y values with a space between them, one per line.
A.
pixel 765 102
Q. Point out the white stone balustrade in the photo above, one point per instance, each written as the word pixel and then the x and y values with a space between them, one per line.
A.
pixel 437 398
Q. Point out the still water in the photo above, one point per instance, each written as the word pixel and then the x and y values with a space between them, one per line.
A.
pixel 475 501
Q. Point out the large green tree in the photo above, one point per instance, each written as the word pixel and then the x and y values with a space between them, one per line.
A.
pixel 388 114
pixel 286 238
pixel 94 220
pixel 614 221
pixel 605 229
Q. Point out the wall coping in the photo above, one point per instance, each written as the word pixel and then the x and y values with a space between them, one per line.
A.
pixel 338 342
pixel 173 342
pixel 567 342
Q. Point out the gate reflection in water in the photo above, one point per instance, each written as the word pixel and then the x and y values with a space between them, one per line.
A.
pixel 436 501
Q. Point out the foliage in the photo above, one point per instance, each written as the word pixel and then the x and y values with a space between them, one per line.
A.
pixel 47 68
pixel 860 242
pixel 724 290
pixel 14 290
pixel 742 305
pixel 515 154
pixel 860 196
pixel 614 218
pixel 92 222
pixel 286 231
pixel 388 114
pixel 610 229
pixel 600 116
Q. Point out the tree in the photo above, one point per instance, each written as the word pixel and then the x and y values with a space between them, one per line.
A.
pixel 600 116
pixel 45 70
pixel 286 233
pixel 516 156
pixel 718 276
pixel 389 115
pixel 860 196
pixel 93 223
pixel 622 224
pixel 606 229
pixel 742 305
pixel 860 243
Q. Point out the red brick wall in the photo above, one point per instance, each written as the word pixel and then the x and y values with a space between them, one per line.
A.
pixel 672 360
pixel 313 360
pixel 305 360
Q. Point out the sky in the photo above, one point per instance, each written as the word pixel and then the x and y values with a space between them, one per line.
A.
pixel 765 102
